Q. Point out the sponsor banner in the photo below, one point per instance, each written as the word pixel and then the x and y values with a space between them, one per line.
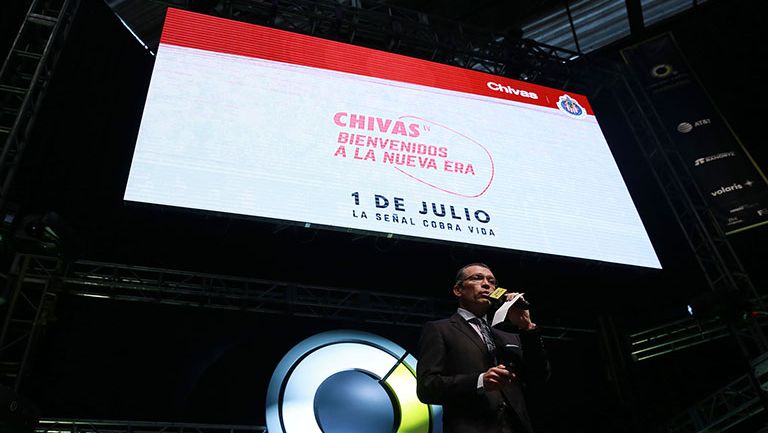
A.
pixel 735 187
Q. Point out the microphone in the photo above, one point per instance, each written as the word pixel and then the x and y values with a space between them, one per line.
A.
pixel 497 297
pixel 511 356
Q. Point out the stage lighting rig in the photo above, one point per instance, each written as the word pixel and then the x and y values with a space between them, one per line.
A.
pixel 728 305
pixel 46 234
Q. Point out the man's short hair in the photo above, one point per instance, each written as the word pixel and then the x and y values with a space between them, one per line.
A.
pixel 460 273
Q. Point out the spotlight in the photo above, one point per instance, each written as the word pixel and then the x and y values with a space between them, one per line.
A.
pixel 722 304
pixel 46 234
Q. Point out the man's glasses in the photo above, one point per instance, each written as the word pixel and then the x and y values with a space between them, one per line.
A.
pixel 479 278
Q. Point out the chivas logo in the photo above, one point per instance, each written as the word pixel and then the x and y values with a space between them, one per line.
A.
pixel 570 106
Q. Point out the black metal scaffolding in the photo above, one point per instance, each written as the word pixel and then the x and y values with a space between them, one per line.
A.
pixel 35 281
pixel 24 79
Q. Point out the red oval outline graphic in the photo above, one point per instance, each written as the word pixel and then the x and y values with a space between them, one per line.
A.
pixel 490 158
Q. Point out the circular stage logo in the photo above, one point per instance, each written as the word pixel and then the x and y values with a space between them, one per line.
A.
pixel 348 382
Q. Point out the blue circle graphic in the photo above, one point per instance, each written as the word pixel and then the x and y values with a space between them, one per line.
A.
pixel 353 401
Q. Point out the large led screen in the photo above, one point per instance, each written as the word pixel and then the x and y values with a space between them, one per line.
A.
pixel 255 121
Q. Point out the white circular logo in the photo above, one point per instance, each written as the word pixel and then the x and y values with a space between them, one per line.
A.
pixel 348 382
pixel 685 127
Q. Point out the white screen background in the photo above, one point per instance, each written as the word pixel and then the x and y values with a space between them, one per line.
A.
pixel 254 137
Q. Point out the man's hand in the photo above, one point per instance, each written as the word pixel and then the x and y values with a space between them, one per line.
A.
pixel 497 377
pixel 519 317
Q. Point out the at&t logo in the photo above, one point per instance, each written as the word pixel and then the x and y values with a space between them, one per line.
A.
pixel 686 127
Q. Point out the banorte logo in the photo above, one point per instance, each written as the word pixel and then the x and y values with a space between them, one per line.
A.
pixel 425 151
pixel 709 158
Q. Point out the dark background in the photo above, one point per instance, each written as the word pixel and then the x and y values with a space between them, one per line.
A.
pixel 108 359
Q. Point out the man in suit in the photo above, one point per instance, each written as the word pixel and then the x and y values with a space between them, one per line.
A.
pixel 481 382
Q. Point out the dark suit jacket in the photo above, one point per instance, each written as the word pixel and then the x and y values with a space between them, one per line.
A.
pixel 451 357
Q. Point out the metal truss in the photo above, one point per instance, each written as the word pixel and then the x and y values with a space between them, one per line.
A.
pixel 677 335
pixel 105 426
pixel 403 31
pixel 682 334
pixel 194 289
pixel 714 254
pixel 415 34
pixel 24 79
pixel 717 260
pixel 39 279
pixel 31 298
pixel 726 408
pixel 173 287
pixel 376 25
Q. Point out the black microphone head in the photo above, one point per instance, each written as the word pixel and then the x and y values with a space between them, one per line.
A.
pixel 522 304
pixel 499 296
pixel 511 356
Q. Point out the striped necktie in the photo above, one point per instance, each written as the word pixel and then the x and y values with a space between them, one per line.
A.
pixel 485 331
